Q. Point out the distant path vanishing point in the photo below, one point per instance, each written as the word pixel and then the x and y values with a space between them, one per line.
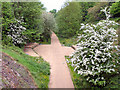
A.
pixel 55 53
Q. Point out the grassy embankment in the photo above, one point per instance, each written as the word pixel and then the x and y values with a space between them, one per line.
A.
pixel 39 69
pixel 68 41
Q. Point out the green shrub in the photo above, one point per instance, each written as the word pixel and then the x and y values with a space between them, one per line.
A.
pixel 94 57
pixel 94 13
pixel 115 9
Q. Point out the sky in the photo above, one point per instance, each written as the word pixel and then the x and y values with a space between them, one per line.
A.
pixel 53 4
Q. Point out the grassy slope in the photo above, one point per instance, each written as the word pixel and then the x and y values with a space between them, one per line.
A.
pixel 66 41
pixel 40 70
pixel 80 82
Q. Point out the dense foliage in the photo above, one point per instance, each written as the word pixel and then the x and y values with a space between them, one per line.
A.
pixel 49 24
pixel 54 11
pixel 7 18
pixel 94 13
pixel 68 18
pixel 15 32
pixel 24 22
pixel 115 9
pixel 94 57
pixel 32 18
pixel 37 28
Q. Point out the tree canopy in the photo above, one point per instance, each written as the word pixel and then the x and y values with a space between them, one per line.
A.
pixel 68 18
pixel 32 19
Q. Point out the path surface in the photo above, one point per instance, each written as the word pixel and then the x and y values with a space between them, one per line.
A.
pixel 55 55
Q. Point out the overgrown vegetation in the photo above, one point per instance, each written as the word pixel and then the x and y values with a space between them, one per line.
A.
pixel 79 81
pixel 115 9
pixel 39 69
pixel 24 22
pixel 68 18
pixel 95 57
pixel 32 17
pixel 67 41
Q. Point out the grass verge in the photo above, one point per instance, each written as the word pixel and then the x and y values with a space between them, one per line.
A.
pixel 67 41
pixel 39 69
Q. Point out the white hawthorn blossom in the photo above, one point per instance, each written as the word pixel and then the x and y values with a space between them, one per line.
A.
pixel 94 53
pixel 15 32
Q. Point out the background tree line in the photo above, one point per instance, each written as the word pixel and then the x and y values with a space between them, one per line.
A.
pixel 73 13
pixel 29 22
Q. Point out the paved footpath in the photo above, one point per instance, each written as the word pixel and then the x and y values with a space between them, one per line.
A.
pixel 55 54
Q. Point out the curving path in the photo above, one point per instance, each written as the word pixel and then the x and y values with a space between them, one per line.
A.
pixel 55 55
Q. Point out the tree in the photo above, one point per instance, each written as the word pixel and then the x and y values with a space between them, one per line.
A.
pixel 16 32
pixel 30 15
pixel 115 9
pixel 84 7
pixel 94 57
pixel 69 18
pixel 48 24
pixel 54 11
pixel 32 18
pixel 94 13
pixel 7 18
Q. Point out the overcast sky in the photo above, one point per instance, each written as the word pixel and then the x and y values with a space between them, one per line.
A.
pixel 53 4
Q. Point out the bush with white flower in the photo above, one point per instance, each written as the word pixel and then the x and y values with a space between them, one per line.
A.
pixel 16 30
pixel 94 57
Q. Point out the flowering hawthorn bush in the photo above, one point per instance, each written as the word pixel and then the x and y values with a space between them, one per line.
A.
pixel 94 57
pixel 15 32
